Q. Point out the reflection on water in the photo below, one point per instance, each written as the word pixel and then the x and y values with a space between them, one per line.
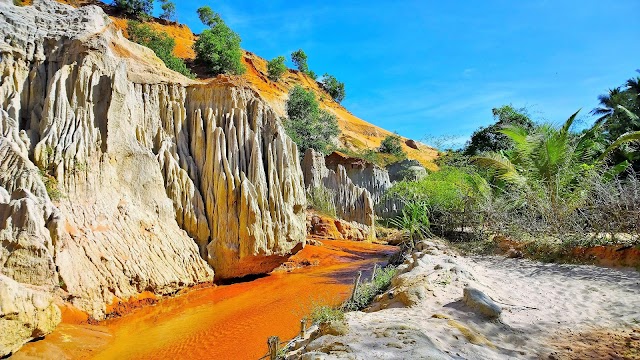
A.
pixel 229 321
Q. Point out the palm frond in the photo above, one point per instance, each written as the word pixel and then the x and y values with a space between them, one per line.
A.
pixel 623 139
pixel 504 167
pixel 569 122
pixel 629 114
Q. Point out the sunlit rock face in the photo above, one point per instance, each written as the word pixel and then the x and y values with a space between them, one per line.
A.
pixel 119 176
pixel 353 203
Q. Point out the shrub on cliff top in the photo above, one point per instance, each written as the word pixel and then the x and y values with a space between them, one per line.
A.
pixel 333 87
pixel 161 44
pixel 218 47
pixel 307 124
pixel 138 9
pixel 392 144
pixel 276 68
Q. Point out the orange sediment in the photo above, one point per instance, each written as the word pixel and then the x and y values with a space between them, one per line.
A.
pixel 228 321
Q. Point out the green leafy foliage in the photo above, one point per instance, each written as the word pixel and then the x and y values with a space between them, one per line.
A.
pixel 51 185
pixel 414 219
pixel 137 9
pixel 161 44
pixel 550 168
pixel 325 314
pixel 368 290
pixel 491 139
pixel 276 68
pixel 333 87
pixel 618 114
pixel 307 124
pixel 168 10
pixel 392 144
pixel 321 200
pixel 299 58
pixel 218 47
pixel 445 200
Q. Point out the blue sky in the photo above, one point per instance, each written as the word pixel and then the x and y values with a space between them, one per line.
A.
pixel 433 68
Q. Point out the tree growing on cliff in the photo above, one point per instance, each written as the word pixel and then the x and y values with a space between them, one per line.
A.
pixel 168 10
pixel 218 47
pixel 276 68
pixel 307 124
pixel 392 144
pixel 334 87
pixel 299 58
pixel 138 9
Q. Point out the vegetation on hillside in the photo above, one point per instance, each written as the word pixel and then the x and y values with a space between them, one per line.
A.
pixel 276 68
pixel 307 124
pixel 333 87
pixel 392 144
pixel 161 44
pixel 299 58
pixel 218 48
pixel 532 181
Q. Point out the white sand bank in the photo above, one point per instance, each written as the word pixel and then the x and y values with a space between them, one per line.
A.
pixel 546 310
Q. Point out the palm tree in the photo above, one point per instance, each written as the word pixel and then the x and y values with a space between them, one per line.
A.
pixel 608 104
pixel 552 167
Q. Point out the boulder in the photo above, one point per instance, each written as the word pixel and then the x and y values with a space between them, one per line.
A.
pixel 412 144
pixel 481 303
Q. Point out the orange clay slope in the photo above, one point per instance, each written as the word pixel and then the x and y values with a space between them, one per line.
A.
pixel 357 134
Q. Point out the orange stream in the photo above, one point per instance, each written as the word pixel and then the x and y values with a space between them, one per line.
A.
pixel 224 322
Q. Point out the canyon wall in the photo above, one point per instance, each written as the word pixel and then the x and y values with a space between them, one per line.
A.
pixel 119 176
pixel 352 203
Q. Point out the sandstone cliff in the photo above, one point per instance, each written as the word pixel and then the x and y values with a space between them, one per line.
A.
pixel 352 203
pixel 119 176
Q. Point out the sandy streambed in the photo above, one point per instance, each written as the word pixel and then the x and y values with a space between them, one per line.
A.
pixel 225 322
pixel 549 311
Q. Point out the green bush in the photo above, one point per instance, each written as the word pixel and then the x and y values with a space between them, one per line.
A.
pixel 414 219
pixel 51 185
pixel 333 87
pixel 161 44
pixel 276 68
pixel 368 290
pixel 325 314
pixel 321 200
pixel 392 144
pixel 218 47
pixel 307 124
pixel 451 197
pixel 138 9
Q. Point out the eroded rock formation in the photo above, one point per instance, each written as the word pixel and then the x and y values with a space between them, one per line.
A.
pixel 352 203
pixel 119 176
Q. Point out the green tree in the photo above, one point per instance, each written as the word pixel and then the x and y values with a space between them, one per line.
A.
pixel 333 87
pixel 161 44
pixel 552 167
pixel 307 124
pixel 619 113
pixel 392 144
pixel 208 16
pixel 218 47
pixel 168 10
pixel 138 9
pixel 299 58
pixel 276 68
pixel 488 139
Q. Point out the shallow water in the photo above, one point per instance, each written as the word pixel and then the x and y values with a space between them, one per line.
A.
pixel 225 322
